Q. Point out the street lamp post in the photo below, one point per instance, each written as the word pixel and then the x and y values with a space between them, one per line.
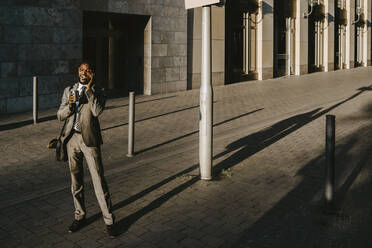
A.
pixel 206 100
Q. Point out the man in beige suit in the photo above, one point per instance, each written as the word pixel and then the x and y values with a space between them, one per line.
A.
pixel 82 136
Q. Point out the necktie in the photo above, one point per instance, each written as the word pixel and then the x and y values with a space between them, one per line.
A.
pixel 77 122
pixel 82 96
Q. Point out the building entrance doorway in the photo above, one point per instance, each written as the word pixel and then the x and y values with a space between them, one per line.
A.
pixel 340 34
pixel 241 40
pixel 360 33
pixel 316 36
pixel 115 44
pixel 284 37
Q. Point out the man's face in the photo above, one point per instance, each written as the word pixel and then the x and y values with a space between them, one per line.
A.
pixel 85 73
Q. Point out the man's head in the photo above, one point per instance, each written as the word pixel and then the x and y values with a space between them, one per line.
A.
pixel 85 72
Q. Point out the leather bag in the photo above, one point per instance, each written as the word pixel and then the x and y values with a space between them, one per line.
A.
pixel 61 150
pixel 59 145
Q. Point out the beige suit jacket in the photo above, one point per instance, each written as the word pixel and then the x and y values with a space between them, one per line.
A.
pixel 88 116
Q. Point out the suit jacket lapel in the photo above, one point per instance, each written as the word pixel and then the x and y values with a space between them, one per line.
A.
pixel 75 87
pixel 80 107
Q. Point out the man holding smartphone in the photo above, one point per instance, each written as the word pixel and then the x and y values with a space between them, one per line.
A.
pixel 81 105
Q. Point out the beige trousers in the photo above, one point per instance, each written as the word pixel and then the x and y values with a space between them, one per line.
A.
pixel 77 150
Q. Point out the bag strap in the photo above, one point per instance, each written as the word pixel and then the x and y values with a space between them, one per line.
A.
pixel 63 128
pixel 64 124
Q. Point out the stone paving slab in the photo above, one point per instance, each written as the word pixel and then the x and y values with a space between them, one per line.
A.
pixel 268 160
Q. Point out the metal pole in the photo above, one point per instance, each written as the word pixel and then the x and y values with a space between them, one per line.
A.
pixel 340 52
pixel 206 99
pixel 245 43
pixel 317 44
pixel 344 52
pixel 357 41
pixel 35 101
pixel 248 44
pixel 361 45
pixel 288 24
pixel 330 160
pixel 131 125
pixel 321 44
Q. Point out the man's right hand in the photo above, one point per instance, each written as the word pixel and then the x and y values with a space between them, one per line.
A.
pixel 71 100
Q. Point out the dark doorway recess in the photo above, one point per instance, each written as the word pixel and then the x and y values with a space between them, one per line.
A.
pixel 359 33
pixel 240 40
pixel 284 16
pixel 115 44
pixel 316 29
pixel 340 34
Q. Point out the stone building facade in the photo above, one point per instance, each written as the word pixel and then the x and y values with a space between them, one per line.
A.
pixel 262 39
pixel 154 46
pixel 49 38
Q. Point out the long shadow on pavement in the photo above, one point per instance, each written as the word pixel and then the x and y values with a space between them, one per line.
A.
pixel 152 117
pixel 169 179
pixel 139 102
pixel 256 142
pixel 195 132
pixel 298 219
pixel 19 124
pixel 15 125
pixel 248 146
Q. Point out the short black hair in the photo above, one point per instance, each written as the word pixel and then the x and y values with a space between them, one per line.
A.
pixel 87 62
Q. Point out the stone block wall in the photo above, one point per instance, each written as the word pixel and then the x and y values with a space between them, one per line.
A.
pixel 44 38
pixel 37 38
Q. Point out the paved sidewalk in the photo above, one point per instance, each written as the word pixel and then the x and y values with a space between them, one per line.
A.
pixel 268 170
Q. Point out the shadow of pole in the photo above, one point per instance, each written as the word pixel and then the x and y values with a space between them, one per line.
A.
pixel 15 125
pixel 195 132
pixel 279 232
pixel 139 102
pixel 258 141
pixel 165 181
pixel 152 117
pixel 265 138
pixel 342 191
pixel 296 209
pixel 124 224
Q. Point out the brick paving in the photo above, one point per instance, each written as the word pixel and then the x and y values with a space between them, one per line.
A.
pixel 268 170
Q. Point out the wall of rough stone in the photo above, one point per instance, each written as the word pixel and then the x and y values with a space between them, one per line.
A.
pixel 44 38
pixel 37 38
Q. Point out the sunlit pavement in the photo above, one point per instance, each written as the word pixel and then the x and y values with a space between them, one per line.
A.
pixel 268 170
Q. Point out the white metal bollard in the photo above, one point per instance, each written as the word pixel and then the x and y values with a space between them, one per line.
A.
pixel 131 125
pixel 35 101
